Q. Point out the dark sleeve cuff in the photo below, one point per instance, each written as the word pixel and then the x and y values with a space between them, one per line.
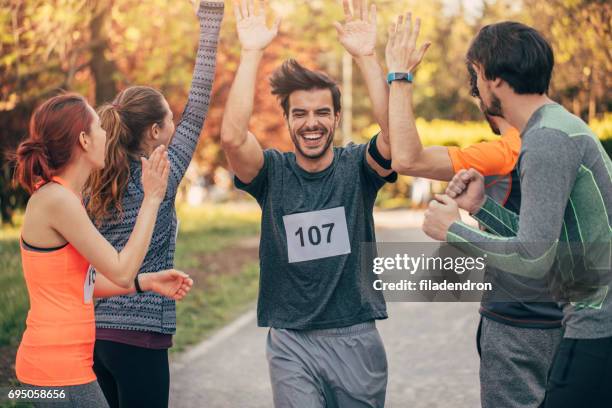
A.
pixel 212 5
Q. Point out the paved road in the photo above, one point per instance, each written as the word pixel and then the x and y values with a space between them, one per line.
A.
pixel 430 349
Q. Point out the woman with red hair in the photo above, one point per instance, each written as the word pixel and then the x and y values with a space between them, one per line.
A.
pixel 61 248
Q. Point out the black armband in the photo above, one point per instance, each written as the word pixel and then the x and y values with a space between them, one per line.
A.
pixel 137 285
pixel 373 150
pixel 391 178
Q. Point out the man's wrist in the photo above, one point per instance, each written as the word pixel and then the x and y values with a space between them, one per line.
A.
pixel 402 84
pixel 251 55
pixel 365 58
pixel 477 207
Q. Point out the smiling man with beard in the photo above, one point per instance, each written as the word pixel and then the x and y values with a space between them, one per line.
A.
pixel 323 347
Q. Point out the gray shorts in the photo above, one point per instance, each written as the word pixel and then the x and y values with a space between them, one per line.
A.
pixel 514 364
pixel 76 396
pixel 344 367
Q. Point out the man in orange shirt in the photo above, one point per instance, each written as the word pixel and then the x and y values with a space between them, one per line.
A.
pixel 516 340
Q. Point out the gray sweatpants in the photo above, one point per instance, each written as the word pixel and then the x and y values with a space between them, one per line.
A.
pixel 76 396
pixel 514 364
pixel 344 367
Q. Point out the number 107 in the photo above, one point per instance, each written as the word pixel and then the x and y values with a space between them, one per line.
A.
pixel 314 234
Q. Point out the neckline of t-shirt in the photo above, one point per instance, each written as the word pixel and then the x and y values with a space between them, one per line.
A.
pixel 536 115
pixel 317 174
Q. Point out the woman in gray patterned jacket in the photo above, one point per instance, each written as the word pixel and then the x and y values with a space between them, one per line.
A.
pixel 133 333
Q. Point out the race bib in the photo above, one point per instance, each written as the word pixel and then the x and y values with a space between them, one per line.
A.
pixel 90 281
pixel 316 234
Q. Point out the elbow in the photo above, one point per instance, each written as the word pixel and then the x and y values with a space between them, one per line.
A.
pixel 228 144
pixel 228 140
pixel 403 166
pixel 123 282
pixel 398 166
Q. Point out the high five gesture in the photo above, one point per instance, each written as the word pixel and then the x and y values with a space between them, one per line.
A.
pixel 358 33
pixel 253 32
pixel 401 52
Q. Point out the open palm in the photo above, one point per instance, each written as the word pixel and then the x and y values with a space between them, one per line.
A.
pixel 358 33
pixel 171 283
pixel 253 32
pixel 402 54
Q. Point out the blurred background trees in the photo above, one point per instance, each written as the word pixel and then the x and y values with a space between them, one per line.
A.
pixel 97 47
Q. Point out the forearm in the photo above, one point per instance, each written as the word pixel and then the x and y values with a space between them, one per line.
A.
pixel 497 219
pixel 130 258
pixel 378 90
pixel 189 128
pixel 239 108
pixel 408 155
pixel 210 17
pixel 509 254
pixel 404 139
pixel 105 288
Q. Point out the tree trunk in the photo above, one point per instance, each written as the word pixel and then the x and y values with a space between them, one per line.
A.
pixel 347 98
pixel 592 95
pixel 102 69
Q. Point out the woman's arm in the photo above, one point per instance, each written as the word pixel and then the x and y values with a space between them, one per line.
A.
pixel 187 135
pixel 170 283
pixel 70 220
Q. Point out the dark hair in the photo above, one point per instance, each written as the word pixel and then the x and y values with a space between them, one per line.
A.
pixel 125 120
pixel 516 53
pixel 292 76
pixel 54 131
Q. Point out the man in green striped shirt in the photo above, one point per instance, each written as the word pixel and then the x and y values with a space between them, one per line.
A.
pixel 564 229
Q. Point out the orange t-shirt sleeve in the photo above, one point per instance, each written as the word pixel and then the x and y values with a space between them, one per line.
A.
pixel 489 158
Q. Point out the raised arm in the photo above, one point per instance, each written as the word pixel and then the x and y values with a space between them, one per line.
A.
pixel 242 149
pixel 358 36
pixel 71 221
pixel 187 134
pixel 409 156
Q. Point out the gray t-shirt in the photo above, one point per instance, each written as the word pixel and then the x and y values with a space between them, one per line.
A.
pixel 312 228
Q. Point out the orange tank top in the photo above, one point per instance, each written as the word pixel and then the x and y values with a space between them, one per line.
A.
pixel 57 346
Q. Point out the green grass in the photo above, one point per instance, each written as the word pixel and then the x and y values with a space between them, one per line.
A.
pixel 209 229
pixel 204 311
pixel 214 300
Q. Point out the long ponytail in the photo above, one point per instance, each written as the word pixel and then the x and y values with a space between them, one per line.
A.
pixel 125 121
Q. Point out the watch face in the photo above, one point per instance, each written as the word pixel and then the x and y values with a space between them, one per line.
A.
pixel 399 76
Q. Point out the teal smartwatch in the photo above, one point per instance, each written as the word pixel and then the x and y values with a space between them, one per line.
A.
pixel 399 76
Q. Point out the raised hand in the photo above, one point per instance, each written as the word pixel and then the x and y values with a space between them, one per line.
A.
pixel 170 283
pixel 253 32
pixel 155 172
pixel 401 52
pixel 358 33
pixel 467 188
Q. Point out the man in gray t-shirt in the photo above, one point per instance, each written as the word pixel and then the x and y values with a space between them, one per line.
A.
pixel 312 226
pixel 323 348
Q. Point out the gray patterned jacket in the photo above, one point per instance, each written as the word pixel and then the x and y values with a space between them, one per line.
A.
pixel 148 311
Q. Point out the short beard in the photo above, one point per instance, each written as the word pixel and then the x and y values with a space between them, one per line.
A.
pixel 495 109
pixel 490 121
pixel 295 137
